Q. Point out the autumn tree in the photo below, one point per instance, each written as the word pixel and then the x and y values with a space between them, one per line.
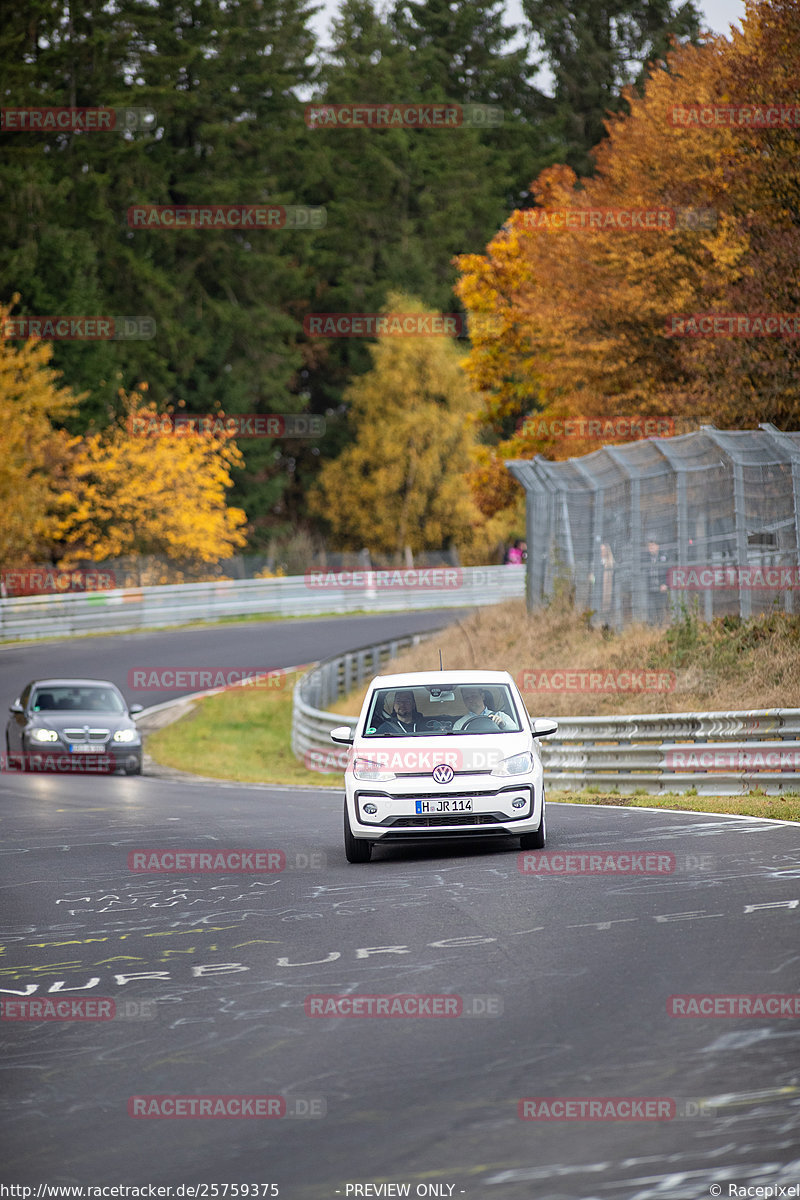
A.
pixel 31 399
pixel 140 488
pixel 401 481
pixel 587 313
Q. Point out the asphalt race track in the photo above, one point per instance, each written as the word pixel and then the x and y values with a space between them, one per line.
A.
pixel 561 983
pixel 253 645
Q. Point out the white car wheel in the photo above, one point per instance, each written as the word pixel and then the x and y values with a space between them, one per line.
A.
pixel 356 850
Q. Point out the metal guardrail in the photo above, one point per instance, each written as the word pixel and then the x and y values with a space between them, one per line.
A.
pixel 124 609
pixel 311 724
pixel 716 753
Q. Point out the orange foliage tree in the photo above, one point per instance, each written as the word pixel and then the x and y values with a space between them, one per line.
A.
pixel 588 312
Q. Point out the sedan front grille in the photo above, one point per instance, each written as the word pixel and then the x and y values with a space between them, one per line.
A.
pixel 81 735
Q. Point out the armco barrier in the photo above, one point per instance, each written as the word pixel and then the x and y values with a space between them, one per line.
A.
pixel 125 609
pixel 311 725
pixel 717 753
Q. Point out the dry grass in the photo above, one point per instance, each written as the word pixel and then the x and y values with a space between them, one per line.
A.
pixel 726 665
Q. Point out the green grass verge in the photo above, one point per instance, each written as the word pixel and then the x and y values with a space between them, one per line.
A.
pixel 754 804
pixel 245 735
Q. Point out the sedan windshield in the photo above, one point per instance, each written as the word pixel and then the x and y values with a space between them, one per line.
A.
pixel 77 699
pixel 434 709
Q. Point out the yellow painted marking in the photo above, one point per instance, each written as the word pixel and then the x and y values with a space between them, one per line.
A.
pixel 256 942
pixel 73 942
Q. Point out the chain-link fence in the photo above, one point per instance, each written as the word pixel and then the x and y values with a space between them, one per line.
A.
pixel 708 522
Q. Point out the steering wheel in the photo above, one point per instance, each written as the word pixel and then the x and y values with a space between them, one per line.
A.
pixel 486 725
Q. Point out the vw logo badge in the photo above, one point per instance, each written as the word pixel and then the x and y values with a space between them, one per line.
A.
pixel 443 773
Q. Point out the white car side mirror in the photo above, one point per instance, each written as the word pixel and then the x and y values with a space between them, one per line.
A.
pixel 343 734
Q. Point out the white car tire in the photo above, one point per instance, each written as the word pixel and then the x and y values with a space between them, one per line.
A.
pixel 535 840
pixel 356 850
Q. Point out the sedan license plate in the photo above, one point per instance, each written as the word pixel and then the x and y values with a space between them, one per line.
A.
pixel 431 807
pixel 86 748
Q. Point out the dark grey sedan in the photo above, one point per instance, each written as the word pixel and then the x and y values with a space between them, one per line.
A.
pixel 73 724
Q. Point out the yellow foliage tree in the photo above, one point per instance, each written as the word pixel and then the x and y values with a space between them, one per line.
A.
pixel 137 490
pixel 401 483
pixel 30 449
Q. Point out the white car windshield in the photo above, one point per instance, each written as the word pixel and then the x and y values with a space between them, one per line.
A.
pixel 432 709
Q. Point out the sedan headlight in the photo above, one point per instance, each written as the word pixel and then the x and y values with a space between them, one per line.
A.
pixel 375 772
pixel 126 735
pixel 44 735
pixel 518 764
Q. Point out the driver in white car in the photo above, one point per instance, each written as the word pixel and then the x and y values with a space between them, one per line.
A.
pixel 405 717
pixel 478 701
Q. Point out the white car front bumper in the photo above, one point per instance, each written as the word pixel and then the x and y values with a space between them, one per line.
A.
pixel 416 807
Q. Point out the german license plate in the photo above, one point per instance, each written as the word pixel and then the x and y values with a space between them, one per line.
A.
pixel 432 807
pixel 87 748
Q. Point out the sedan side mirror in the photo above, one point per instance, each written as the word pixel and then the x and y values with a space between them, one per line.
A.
pixel 136 708
pixel 543 726
pixel 16 707
pixel 343 734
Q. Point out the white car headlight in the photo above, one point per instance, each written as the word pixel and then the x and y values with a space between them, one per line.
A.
pixel 126 735
pixel 375 772
pixel 44 735
pixel 518 764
